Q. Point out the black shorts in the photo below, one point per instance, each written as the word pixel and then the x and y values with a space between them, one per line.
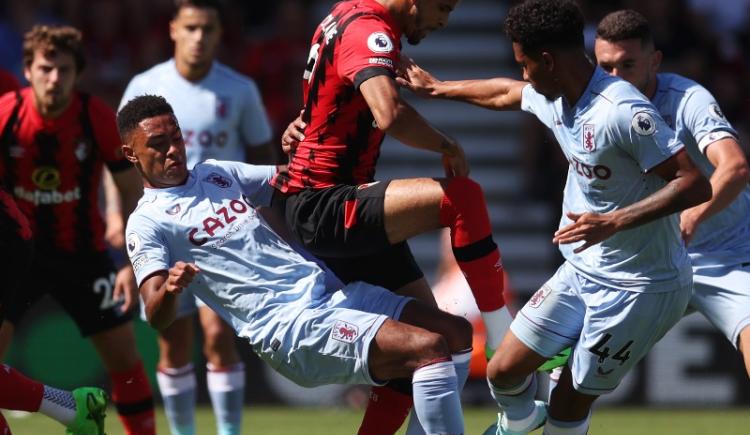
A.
pixel 82 284
pixel 344 226
pixel 15 260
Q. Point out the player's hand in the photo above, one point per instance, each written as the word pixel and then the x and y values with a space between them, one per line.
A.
pixel 180 276
pixel 293 135
pixel 689 221
pixel 454 160
pixel 412 77
pixel 126 288
pixel 590 228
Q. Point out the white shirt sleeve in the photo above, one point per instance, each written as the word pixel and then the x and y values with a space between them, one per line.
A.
pixel 146 247
pixel 255 128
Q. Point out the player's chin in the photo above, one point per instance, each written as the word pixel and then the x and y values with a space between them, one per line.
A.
pixel 415 38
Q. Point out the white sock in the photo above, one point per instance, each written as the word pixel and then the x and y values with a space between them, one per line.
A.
pixel 177 387
pixel 58 405
pixel 496 324
pixel 227 390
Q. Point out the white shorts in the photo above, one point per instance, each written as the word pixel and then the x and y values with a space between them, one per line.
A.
pixel 722 294
pixel 330 344
pixel 609 330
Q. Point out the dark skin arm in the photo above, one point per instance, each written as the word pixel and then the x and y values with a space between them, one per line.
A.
pixel 686 187
pixel 160 290
pixel 495 94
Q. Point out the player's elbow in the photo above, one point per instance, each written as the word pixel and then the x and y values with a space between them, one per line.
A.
pixel 385 119
pixel 741 173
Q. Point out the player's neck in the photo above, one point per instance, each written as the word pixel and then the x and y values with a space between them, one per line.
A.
pixel 579 71
pixel 51 112
pixel 193 72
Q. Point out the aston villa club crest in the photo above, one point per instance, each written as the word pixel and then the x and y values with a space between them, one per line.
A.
pixel 589 142
pixel 218 180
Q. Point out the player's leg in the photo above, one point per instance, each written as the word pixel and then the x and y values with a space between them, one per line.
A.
pixel 744 346
pixel 550 321
pixel 415 206
pixel 619 328
pixel 85 293
pixel 722 295
pixel 226 372
pixel 388 405
pixel 175 373
pixel 131 391
pixel 82 411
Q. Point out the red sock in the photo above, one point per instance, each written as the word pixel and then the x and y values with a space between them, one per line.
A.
pixel 386 411
pixel 464 211
pixel 4 428
pixel 131 394
pixel 17 392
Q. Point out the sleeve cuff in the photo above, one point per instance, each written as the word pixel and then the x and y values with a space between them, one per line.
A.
pixel 370 72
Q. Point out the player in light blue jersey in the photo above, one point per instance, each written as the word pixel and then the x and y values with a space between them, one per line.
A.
pixel 200 230
pixel 222 117
pixel 718 231
pixel 627 276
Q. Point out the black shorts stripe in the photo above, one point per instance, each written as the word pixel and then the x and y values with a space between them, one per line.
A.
pixel 135 407
pixel 476 250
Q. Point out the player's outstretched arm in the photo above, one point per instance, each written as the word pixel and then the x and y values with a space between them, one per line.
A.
pixel 496 94
pixel 686 187
pixel 159 292
pixel 399 119
pixel 728 180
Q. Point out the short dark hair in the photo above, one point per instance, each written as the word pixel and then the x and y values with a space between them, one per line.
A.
pixel 625 24
pixel 52 40
pixel 138 109
pixel 200 4
pixel 540 24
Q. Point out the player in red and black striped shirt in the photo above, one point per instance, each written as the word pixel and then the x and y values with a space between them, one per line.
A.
pixel 357 226
pixel 54 142
pixel 8 82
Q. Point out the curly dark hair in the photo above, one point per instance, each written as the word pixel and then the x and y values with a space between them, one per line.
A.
pixel 543 24
pixel 625 24
pixel 52 40
pixel 138 109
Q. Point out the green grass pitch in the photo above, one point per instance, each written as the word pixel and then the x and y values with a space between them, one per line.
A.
pixel 335 421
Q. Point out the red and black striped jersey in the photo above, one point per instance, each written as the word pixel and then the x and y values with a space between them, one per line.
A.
pixel 53 168
pixel 13 224
pixel 8 82
pixel 358 40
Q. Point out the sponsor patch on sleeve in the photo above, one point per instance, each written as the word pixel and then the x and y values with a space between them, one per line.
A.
pixel 141 262
pixel 379 42
pixel 643 124
pixel 381 61
pixel 715 111
pixel 133 243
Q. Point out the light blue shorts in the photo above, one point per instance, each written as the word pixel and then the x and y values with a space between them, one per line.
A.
pixel 722 294
pixel 330 343
pixel 609 330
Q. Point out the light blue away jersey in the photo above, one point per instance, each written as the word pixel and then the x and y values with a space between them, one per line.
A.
pixel 612 137
pixel 247 272
pixel 696 117
pixel 217 115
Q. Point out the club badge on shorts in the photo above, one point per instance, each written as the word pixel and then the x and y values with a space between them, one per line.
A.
pixel 345 331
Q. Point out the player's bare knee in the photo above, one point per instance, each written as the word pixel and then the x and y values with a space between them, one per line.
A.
pixel 504 372
pixel 430 347
pixel 460 334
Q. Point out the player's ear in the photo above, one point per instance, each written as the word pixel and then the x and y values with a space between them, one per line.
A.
pixel 127 151
pixel 548 61
pixel 656 59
